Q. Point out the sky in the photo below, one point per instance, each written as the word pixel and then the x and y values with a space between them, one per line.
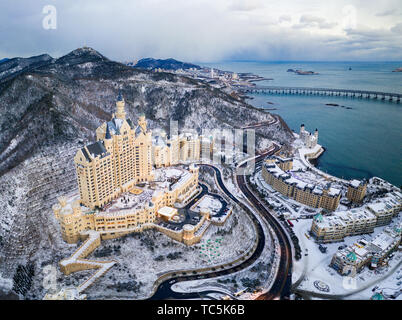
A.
pixel 205 30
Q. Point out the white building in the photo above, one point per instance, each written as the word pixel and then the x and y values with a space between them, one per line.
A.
pixel 356 221
pixel 373 253
pixel 310 140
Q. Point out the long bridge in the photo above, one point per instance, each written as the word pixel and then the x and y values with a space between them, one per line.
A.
pixel 324 91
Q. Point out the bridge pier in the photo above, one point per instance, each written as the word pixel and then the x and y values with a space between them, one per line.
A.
pixel 325 92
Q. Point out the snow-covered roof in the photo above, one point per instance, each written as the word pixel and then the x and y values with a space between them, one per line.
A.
pixel 334 191
pixel 128 202
pixel 288 178
pixel 383 241
pixel 168 212
pixel 158 141
pixel 343 218
pixel 355 183
pixel 377 207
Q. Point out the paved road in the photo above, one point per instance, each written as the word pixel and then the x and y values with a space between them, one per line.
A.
pixel 281 287
pixel 261 124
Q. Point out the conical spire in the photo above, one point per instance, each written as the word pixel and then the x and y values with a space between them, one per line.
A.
pixel 120 96
pixel 108 135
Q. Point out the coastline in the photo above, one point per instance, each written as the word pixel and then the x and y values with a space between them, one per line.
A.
pixel 314 159
pixel 306 155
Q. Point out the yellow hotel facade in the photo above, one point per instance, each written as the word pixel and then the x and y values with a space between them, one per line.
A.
pixel 118 165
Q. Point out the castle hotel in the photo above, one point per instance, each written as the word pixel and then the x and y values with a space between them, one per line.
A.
pixel 121 192
pixel 119 159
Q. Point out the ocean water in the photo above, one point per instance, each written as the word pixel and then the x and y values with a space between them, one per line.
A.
pixel 360 142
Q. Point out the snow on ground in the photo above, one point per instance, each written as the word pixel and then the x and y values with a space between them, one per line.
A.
pixel 145 256
pixel 261 273
pixel 5 285
pixel 298 165
pixel 391 285
pixel 208 202
pixel 316 264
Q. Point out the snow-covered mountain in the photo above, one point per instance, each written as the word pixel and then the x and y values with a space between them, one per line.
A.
pixel 10 68
pixel 49 107
pixel 166 64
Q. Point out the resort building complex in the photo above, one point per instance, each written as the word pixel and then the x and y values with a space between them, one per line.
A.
pixel 273 172
pixel 356 190
pixel 356 221
pixel 342 224
pixel 134 210
pixel 127 183
pixel 169 151
pixel 355 257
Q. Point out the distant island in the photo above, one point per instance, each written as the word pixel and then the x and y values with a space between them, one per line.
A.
pixel 166 64
pixel 397 70
pixel 302 72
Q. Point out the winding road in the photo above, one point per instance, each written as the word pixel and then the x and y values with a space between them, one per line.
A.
pixel 281 287
pixel 282 284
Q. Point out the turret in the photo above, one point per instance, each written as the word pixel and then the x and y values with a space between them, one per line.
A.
pixel 142 122
pixel 108 139
pixel 301 129
pixel 316 133
pixel 120 111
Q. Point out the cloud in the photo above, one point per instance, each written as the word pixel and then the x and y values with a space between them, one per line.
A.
pixel 245 5
pixel 201 30
pixel 285 18
pixel 397 28
pixel 386 13
pixel 311 21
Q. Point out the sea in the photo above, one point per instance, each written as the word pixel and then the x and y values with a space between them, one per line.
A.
pixel 362 137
